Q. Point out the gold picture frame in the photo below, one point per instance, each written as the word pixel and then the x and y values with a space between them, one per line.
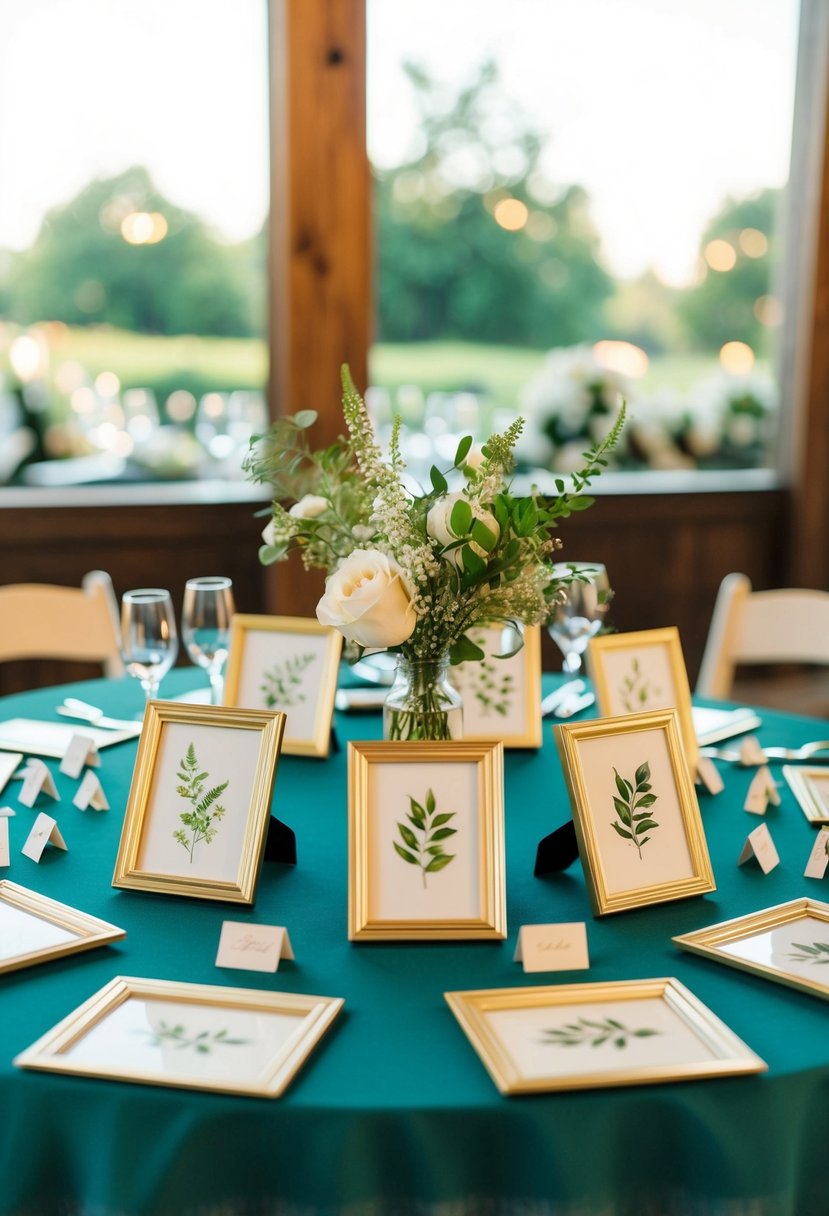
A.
pixel 502 697
pixel 300 681
pixel 203 779
pixel 637 672
pixel 34 928
pixel 764 943
pixel 415 809
pixel 617 770
pixel 192 1036
pixel 598 1036
pixel 810 787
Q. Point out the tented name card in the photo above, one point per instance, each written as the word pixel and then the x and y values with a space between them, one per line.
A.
pixel 818 857
pixel 708 775
pixel 760 847
pixel 90 794
pixel 247 947
pixel 80 752
pixel 37 780
pixel 44 831
pixel 751 753
pixel 553 947
pixel 761 792
pixel 5 858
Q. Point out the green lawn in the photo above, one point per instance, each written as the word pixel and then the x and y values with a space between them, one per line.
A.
pixel 497 372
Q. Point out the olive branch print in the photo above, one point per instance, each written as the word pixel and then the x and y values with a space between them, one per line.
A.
pixel 492 691
pixel 423 841
pixel 199 822
pixel 282 683
pixel 584 1031
pixel 636 690
pixel 633 807
pixel 202 1043
pixel 818 952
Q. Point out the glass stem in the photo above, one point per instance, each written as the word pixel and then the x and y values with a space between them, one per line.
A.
pixel 217 685
pixel 572 662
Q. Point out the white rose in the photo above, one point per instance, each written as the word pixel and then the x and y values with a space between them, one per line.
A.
pixel 268 533
pixel 366 598
pixel 309 507
pixel 437 524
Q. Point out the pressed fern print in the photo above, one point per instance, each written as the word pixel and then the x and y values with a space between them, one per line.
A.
pixel 633 807
pixel 282 682
pixel 206 812
pixel 423 841
pixel 635 690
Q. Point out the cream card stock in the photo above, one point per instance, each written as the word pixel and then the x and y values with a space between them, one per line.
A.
pixel 751 752
pixel 708 774
pixel 252 947
pixel 818 857
pixel 553 947
pixel 81 751
pixel 8 763
pixel 36 780
pixel 90 793
pixel 760 846
pixel 44 831
pixel 5 859
pixel 52 738
pixel 761 792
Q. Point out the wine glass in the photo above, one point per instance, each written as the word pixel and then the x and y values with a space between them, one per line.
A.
pixel 149 640
pixel 205 626
pixel 579 617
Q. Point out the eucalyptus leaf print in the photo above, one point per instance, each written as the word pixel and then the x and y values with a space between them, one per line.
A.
pixel 585 1032
pixel 282 682
pixel 633 807
pixel 202 1042
pixel 817 952
pixel 424 835
pixel 206 812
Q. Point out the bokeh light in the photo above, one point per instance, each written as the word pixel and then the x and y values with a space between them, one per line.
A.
pixel 720 255
pixel 622 357
pixel 511 214
pixel 736 358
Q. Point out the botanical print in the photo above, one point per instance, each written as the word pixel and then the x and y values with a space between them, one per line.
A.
pixel 492 688
pixel 178 1036
pixel 200 822
pixel 586 1032
pixel 636 689
pixel 282 683
pixel 633 807
pixel 817 952
pixel 423 840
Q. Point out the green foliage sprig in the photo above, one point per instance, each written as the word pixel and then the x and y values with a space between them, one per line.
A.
pixel 200 823
pixel 584 1031
pixel 818 952
pixel 282 682
pixel 423 840
pixel 202 1043
pixel 633 807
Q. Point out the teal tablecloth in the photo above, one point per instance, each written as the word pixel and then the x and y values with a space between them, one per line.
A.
pixel 394 1114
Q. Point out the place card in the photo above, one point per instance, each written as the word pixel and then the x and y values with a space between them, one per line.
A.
pixel 751 753
pixel 81 751
pixel 560 947
pixel 761 792
pixel 90 793
pixel 818 857
pixel 709 775
pixel 247 947
pixel 5 858
pixel 37 780
pixel 52 738
pixel 760 846
pixel 8 764
pixel 44 831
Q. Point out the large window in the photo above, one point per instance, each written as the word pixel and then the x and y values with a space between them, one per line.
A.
pixel 578 200
pixel 133 206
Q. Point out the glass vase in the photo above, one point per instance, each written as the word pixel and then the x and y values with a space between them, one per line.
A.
pixel 422 703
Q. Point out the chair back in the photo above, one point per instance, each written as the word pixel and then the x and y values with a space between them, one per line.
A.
pixel 43 621
pixel 788 625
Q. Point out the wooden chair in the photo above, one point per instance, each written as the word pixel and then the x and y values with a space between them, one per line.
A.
pixel 43 621
pixel 790 625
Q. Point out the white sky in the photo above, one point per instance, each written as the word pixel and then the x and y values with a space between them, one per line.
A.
pixel 658 107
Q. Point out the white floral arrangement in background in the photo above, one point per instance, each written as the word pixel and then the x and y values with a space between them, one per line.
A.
pixel 408 572
pixel 729 418
pixel 572 402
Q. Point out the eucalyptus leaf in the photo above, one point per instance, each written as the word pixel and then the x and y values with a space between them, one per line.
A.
pixel 439 483
pixel 463 451
pixel 461 518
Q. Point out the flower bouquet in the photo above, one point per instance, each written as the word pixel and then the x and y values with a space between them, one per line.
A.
pixel 412 572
